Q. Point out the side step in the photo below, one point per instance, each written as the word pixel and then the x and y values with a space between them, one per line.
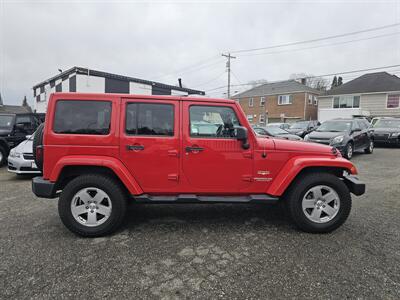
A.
pixel 192 198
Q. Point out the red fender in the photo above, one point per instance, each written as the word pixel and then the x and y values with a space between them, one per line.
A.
pixel 295 165
pixel 99 161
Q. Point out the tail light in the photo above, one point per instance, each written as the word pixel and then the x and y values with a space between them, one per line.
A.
pixel 39 153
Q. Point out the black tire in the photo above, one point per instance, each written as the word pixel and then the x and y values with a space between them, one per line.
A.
pixel 298 190
pixel 348 153
pixel 38 141
pixel 116 195
pixel 370 147
pixel 3 156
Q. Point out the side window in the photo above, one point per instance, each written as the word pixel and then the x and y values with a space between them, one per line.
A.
pixel 213 121
pixel 356 125
pixel 149 119
pixel 82 117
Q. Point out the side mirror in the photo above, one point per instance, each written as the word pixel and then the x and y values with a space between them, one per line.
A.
pixel 242 135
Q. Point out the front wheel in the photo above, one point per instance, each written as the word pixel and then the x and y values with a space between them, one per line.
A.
pixel 318 202
pixel 348 151
pixel 92 205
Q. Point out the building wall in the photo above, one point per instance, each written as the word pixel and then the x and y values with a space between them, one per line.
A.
pixel 370 104
pixel 298 110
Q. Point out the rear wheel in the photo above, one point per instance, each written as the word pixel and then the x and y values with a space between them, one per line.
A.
pixel 370 147
pixel 318 202
pixel 349 150
pixel 92 205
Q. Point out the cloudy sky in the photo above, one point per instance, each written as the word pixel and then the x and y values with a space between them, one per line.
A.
pixel 164 40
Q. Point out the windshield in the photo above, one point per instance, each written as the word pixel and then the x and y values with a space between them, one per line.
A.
pixel 387 124
pixel 6 122
pixel 299 125
pixel 276 130
pixel 335 126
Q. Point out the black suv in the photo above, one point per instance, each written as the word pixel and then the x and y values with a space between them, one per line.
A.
pixel 387 131
pixel 14 128
pixel 347 135
pixel 302 128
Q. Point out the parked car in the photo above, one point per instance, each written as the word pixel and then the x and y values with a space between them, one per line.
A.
pixel 346 135
pixel 276 132
pixel 20 159
pixel 283 126
pixel 387 131
pixel 302 128
pixel 13 130
pixel 99 151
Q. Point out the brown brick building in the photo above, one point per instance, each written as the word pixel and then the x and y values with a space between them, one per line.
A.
pixel 285 101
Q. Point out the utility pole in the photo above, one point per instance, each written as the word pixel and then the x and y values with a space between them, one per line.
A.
pixel 228 67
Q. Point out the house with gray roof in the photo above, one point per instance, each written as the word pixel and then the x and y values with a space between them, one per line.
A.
pixel 373 94
pixel 283 101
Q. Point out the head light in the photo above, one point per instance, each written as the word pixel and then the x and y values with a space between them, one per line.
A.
pixel 395 134
pixel 307 137
pixel 14 153
pixel 337 139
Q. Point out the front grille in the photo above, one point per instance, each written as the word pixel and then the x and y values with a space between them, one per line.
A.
pixel 320 141
pixel 27 169
pixel 28 156
pixel 381 136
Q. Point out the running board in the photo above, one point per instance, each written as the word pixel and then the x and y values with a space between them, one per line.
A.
pixel 192 198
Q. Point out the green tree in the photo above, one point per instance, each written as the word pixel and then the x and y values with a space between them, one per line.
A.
pixel 334 82
pixel 340 81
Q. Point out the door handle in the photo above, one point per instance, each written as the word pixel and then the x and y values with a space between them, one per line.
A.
pixel 194 149
pixel 134 147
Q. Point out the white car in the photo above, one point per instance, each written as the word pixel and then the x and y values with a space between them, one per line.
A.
pixel 20 159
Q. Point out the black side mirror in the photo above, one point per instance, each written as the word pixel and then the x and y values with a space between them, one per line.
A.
pixel 242 135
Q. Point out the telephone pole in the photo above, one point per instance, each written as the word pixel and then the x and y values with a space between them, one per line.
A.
pixel 228 67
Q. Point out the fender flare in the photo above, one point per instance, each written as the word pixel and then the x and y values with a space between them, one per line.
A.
pixel 295 165
pixel 99 161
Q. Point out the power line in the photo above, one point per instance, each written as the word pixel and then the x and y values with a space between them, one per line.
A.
pixel 321 46
pixel 208 81
pixel 318 39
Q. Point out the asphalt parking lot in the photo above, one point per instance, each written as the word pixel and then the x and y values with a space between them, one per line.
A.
pixel 205 251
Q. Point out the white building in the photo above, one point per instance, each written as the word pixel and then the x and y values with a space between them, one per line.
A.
pixel 85 80
pixel 374 94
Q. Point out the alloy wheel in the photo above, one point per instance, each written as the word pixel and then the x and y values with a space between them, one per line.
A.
pixel 91 206
pixel 349 151
pixel 321 204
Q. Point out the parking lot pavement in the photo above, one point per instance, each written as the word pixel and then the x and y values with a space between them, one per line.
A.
pixel 205 251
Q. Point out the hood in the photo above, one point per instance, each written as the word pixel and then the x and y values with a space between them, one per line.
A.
pixel 289 137
pixel 325 134
pixel 294 130
pixel 385 130
pixel 25 147
pixel 5 132
pixel 300 146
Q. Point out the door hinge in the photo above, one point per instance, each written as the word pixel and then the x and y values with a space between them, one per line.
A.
pixel 173 177
pixel 247 178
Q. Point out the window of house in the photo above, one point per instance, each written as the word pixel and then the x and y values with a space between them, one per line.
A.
pixel 82 117
pixel 310 99
pixel 346 102
pixel 149 119
pixel 262 119
pixel 315 100
pixel 250 118
pixel 262 101
pixel 285 99
pixel 251 102
pixel 393 101
pixel 213 121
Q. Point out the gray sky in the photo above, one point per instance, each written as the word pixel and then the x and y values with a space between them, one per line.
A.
pixel 160 40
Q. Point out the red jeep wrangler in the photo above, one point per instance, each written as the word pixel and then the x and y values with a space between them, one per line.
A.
pixel 99 150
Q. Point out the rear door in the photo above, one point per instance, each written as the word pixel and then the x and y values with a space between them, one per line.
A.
pixel 214 160
pixel 149 143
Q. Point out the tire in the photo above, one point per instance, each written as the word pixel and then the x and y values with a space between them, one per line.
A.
pixel 370 147
pixel 349 150
pixel 84 189
pixel 38 141
pixel 3 156
pixel 297 199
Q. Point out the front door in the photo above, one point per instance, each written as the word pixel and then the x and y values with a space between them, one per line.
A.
pixel 149 144
pixel 213 159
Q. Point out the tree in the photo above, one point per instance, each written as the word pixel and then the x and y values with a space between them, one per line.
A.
pixel 340 81
pixel 25 102
pixel 334 82
pixel 315 82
